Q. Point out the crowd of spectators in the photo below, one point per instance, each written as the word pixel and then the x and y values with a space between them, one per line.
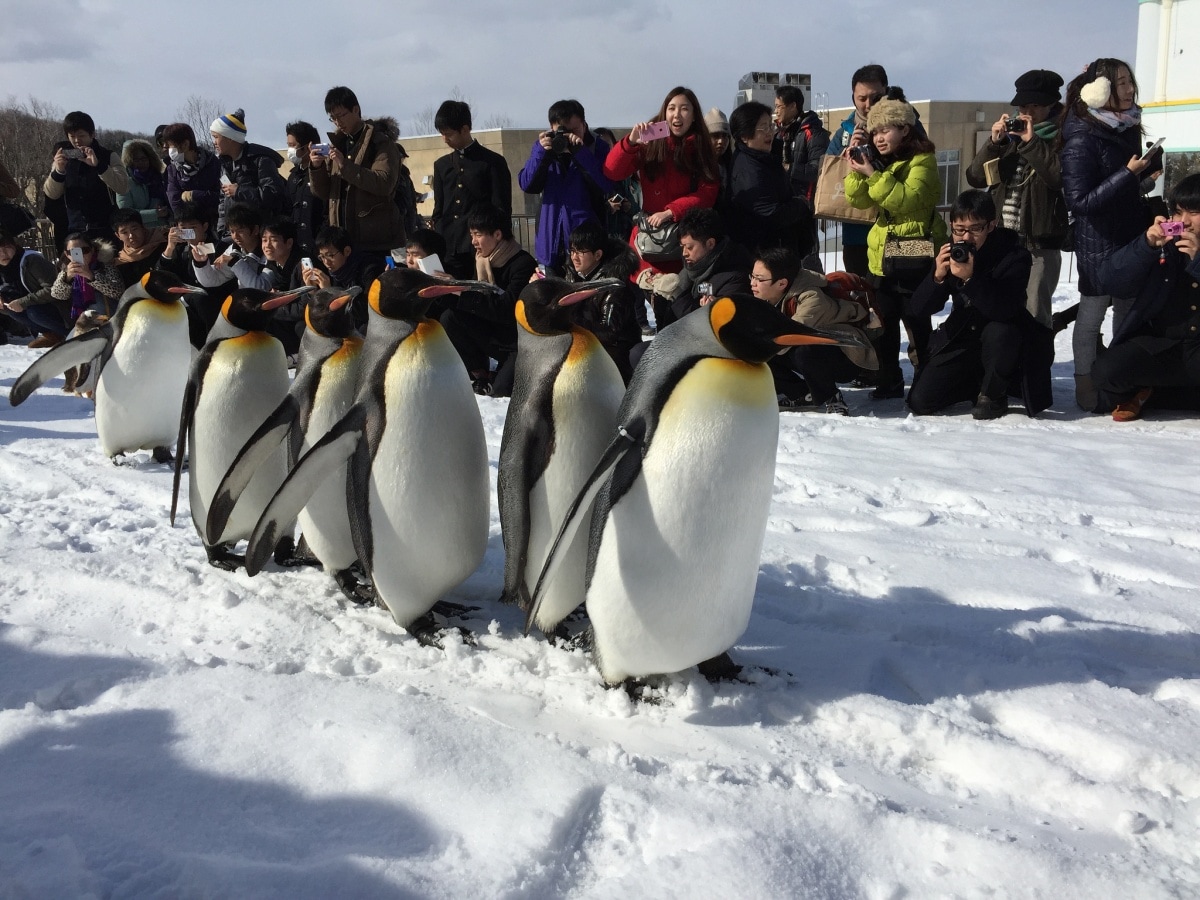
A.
pixel 684 207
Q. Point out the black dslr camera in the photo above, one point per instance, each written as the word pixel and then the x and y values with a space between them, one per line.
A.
pixel 960 251
pixel 865 153
pixel 560 143
pixel 1014 126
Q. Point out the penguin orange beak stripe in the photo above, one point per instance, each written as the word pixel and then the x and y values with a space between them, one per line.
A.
pixel 284 299
pixel 577 297
pixel 186 290
pixel 440 290
pixel 796 340
pixel 339 302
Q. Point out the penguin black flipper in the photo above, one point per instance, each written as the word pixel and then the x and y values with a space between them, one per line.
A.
pixel 622 445
pixel 524 454
pixel 77 351
pixel 297 489
pixel 190 395
pixel 254 453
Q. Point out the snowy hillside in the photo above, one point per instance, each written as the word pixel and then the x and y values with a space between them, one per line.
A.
pixel 974 671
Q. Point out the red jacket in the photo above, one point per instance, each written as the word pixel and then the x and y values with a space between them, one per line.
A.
pixel 672 189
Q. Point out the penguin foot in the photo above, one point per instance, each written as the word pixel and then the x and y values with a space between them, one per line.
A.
pixel 162 455
pixel 720 668
pixel 118 459
pixel 566 639
pixel 286 554
pixel 354 590
pixel 640 691
pixel 220 557
pixel 448 610
pixel 303 555
pixel 429 633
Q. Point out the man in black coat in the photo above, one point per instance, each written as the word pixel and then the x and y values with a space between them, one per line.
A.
pixel 250 172
pixel 82 180
pixel 483 325
pixel 1157 345
pixel 990 346
pixel 465 180
pixel 713 266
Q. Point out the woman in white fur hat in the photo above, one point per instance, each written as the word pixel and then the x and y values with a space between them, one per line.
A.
pixel 1104 179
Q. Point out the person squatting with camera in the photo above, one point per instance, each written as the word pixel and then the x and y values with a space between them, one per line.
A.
pixel 1155 351
pixel 990 346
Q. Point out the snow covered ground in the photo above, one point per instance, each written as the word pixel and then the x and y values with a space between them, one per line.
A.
pixel 988 684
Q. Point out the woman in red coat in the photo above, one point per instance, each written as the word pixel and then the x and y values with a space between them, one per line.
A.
pixel 677 173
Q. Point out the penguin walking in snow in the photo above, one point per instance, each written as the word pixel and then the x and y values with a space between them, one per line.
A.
pixel 682 493
pixel 237 380
pixel 139 360
pixel 418 472
pixel 320 395
pixel 561 417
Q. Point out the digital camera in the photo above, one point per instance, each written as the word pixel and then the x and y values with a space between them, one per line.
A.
pixel 559 141
pixel 1014 126
pixel 960 251
pixel 864 153
pixel 322 149
pixel 1172 229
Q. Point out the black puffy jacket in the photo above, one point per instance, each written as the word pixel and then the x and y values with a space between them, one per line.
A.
pixel 1103 196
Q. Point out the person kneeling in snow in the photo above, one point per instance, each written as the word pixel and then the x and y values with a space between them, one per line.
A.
pixel 989 346
pixel 1158 343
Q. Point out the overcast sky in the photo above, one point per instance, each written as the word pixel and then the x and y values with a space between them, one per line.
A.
pixel 133 64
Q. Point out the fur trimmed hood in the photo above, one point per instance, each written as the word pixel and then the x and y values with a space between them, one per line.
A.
pixel 620 260
pixel 387 126
pixel 146 147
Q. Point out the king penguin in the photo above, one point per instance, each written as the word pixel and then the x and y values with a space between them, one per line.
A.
pixel 418 471
pixel 320 395
pixel 140 359
pixel 236 381
pixel 562 414
pixel 682 492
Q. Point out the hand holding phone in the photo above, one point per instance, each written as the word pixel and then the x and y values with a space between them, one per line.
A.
pixel 1154 148
pixel 655 131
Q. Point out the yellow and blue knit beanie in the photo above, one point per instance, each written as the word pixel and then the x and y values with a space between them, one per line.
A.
pixel 231 125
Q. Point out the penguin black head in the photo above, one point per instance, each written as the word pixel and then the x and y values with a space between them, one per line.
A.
pixel 250 309
pixel 406 293
pixel 754 331
pixel 546 306
pixel 161 286
pixel 328 311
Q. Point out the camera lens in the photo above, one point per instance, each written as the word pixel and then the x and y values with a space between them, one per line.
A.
pixel 960 251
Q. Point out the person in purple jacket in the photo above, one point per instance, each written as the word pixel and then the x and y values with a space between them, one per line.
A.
pixel 565 166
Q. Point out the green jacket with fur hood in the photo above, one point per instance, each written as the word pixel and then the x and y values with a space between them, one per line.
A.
pixel 906 194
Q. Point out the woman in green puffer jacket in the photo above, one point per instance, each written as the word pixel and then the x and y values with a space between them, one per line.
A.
pixel 902 182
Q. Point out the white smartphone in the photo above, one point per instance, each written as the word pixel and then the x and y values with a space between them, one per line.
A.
pixel 187 234
pixel 225 179
pixel 76 254
pixel 1153 148
pixel 430 264
pixel 306 263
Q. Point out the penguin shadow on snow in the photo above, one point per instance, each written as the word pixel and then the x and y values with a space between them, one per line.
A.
pixel 914 645
pixel 104 801
pixel 18 423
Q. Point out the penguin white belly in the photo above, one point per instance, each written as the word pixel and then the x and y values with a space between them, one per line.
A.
pixel 586 396
pixel 428 489
pixel 246 379
pixel 140 391
pixel 324 520
pixel 678 560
